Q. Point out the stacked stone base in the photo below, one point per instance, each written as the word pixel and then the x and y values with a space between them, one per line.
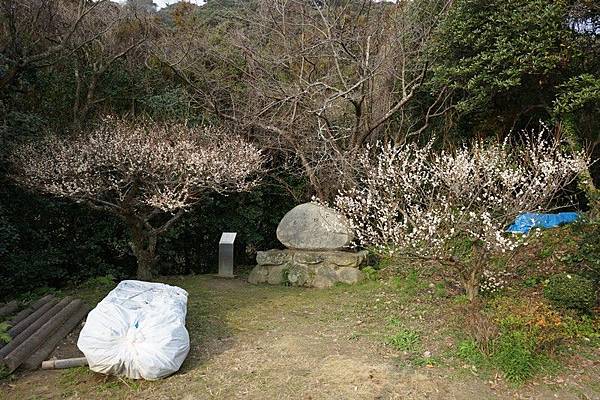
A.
pixel 319 269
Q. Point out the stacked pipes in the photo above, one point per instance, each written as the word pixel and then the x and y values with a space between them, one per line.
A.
pixel 36 330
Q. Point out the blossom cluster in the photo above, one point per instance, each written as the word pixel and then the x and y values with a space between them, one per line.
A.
pixel 140 165
pixel 416 200
pixel 493 281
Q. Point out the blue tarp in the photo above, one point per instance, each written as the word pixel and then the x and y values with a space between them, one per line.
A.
pixel 524 222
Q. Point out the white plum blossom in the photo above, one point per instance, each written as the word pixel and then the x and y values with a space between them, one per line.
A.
pixel 165 167
pixel 493 281
pixel 418 202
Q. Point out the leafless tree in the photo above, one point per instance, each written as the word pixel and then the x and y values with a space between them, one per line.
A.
pixel 110 33
pixel 38 34
pixel 316 81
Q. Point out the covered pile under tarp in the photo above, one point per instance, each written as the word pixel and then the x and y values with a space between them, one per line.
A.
pixel 138 331
pixel 527 221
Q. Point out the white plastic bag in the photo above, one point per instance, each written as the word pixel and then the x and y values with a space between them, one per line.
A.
pixel 138 331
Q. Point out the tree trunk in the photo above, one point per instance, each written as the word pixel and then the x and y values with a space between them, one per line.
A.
pixel 471 285
pixel 473 270
pixel 146 262
pixel 143 244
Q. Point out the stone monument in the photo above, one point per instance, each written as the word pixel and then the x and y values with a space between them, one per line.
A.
pixel 317 239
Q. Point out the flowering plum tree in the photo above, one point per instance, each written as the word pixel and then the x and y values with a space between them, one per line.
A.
pixel 147 174
pixel 454 206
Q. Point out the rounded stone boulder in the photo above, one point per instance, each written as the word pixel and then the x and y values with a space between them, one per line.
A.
pixel 310 226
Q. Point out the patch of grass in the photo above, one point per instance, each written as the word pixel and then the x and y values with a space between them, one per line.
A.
pixel 371 273
pixel 409 285
pixel 583 327
pixel 4 372
pixel 228 315
pixel 99 282
pixel 422 361
pixel 38 293
pixel 594 385
pixel 393 321
pixel 440 290
pixel 91 291
pixel 354 336
pixel 4 336
pixel 73 376
pixel 469 352
pixel 114 387
pixel 405 340
pixel 514 355
pixel 114 384
pixel 530 333
pixel 461 299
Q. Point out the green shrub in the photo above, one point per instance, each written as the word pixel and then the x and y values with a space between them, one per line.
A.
pixel 370 273
pixel 529 332
pixel 585 260
pixel 47 242
pixel 570 291
pixel 514 354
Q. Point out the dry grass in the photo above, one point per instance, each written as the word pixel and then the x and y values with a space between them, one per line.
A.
pixel 266 342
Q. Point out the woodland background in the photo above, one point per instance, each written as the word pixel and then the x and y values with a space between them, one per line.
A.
pixel 310 81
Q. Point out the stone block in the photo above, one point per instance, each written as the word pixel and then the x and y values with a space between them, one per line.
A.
pixel 299 275
pixel 273 257
pixel 349 275
pixel 258 274
pixel 309 257
pixel 324 277
pixel 275 276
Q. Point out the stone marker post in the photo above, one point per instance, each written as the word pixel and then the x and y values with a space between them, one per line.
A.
pixel 226 254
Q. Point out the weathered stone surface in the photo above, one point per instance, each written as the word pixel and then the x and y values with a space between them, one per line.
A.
pixel 275 276
pixel 319 269
pixel 349 275
pixel 273 257
pixel 309 257
pixel 258 274
pixel 346 259
pixel 311 226
pixel 299 275
pixel 324 277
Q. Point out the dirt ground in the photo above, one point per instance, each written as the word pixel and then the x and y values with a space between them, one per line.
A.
pixel 265 342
